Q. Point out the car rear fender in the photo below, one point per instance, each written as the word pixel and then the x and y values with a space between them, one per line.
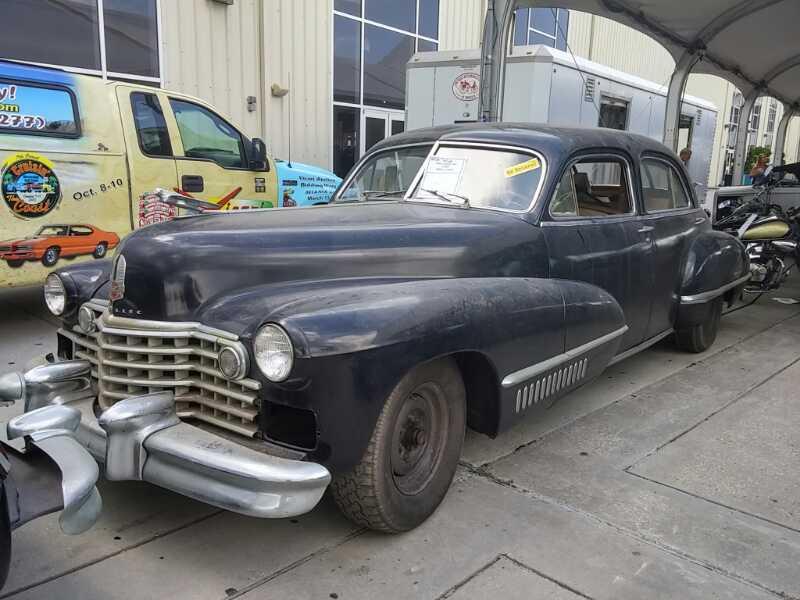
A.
pixel 716 266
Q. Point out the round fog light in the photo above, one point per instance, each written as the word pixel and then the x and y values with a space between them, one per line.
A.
pixel 230 363
pixel 86 320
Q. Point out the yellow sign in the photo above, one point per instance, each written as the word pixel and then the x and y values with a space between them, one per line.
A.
pixel 528 165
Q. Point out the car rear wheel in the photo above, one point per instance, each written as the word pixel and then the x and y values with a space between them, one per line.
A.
pixel 50 256
pixel 412 455
pixel 100 250
pixel 700 337
pixel 15 264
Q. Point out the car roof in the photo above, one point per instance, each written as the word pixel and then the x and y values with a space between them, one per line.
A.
pixel 553 141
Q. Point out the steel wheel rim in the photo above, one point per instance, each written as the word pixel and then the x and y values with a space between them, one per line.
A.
pixel 419 438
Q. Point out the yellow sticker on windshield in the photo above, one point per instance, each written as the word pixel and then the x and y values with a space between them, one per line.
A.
pixel 528 165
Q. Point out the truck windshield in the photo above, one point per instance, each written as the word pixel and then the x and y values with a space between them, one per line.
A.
pixel 481 177
pixel 386 176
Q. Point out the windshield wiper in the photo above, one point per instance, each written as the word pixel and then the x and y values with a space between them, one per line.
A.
pixel 376 194
pixel 447 196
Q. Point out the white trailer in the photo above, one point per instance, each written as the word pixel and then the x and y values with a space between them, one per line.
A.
pixel 545 85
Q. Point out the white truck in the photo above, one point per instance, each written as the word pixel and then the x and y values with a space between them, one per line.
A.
pixel 545 85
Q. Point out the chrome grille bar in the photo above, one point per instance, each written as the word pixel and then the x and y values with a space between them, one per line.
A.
pixel 131 357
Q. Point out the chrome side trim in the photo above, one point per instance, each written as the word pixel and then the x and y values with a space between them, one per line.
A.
pixel 710 295
pixel 518 377
pixel 639 347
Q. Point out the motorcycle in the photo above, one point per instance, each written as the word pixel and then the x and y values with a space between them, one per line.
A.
pixel 770 233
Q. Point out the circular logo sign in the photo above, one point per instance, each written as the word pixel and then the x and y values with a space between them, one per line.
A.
pixel 29 185
pixel 466 87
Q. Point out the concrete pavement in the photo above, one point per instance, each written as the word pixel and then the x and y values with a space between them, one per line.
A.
pixel 670 476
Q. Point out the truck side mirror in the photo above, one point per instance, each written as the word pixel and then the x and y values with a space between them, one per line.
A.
pixel 258 155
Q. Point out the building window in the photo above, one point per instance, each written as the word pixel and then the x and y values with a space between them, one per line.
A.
pixel 123 44
pixel 373 40
pixel 547 26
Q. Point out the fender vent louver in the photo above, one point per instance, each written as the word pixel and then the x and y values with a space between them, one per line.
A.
pixel 550 384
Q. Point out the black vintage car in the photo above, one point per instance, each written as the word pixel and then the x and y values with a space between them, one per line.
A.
pixel 465 276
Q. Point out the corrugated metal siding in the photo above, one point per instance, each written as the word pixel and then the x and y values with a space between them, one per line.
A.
pixel 618 46
pixel 460 23
pixel 210 50
pixel 298 36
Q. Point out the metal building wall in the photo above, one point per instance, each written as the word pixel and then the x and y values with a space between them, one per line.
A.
pixel 211 50
pixel 298 44
pixel 460 23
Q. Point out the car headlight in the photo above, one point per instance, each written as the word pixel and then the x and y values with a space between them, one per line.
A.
pixel 274 353
pixel 55 296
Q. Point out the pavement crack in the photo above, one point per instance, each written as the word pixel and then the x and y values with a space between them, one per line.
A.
pixel 711 415
pixel 100 559
pixel 452 590
pixel 714 502
pixel 300 561
pixel 560 584
pixel 631 534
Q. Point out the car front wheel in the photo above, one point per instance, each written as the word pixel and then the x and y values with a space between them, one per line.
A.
pixel 50 256
pixel 412 455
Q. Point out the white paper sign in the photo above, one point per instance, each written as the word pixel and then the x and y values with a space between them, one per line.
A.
pixel 443 174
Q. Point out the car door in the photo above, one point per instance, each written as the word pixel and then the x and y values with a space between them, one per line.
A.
pixel 674 220
pixel 150 152
pixel 212 160
pixel 593 234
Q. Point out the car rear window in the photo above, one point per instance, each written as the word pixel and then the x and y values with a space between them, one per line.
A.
pixel 37 110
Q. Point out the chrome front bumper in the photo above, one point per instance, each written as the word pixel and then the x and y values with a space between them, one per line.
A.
pixel 141 438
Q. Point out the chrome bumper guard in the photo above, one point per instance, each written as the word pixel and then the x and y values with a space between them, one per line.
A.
pixel 141 438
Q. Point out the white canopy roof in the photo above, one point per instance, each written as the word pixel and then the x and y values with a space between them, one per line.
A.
pixel 751 43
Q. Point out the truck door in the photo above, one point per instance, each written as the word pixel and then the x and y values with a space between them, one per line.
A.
pixel 212 159
pixel 151 162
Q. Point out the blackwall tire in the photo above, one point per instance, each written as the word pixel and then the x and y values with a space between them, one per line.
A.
pixel 100 250
pixel 413 453
pixel 700 338
pixel 50 256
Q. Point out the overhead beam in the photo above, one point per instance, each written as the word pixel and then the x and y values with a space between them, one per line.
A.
pixel 780 136
pixel 742 134
pixel 781 68
pixel 677 85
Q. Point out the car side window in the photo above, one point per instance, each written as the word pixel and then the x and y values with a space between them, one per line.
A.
pixel 151 127
pixel 564 202
pixel 207 136
pixel 662 188
pixel 78 230
pixel 37 109
pixel 593 187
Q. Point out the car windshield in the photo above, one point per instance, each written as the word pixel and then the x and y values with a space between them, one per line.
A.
pixel 52 230
pixel 386 176
pixel 481 177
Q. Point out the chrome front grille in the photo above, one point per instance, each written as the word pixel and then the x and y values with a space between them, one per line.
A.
pixel 131 357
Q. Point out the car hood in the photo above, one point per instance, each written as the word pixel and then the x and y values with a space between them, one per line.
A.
pixel 174 269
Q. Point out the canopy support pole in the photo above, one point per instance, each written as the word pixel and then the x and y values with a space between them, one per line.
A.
pixel 742 134
pixel 496 33
pixel 789 111
pixel 677 85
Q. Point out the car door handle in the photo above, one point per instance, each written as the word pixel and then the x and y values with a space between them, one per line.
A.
pixel 192 183
pixel 645 229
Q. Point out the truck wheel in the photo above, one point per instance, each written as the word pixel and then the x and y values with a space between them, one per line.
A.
pixel 50 256
pixel 15 264
pixel 699 338
pixel 100 250
pixel 412 455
